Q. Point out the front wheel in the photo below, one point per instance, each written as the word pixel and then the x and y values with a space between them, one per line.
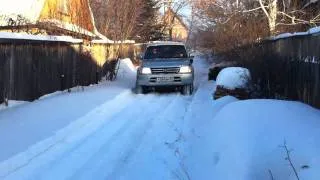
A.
pixel 187 89
pixel 139 89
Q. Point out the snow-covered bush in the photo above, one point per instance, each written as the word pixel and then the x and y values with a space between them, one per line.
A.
pixel 233 78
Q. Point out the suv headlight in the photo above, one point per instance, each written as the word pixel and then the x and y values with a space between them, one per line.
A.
pixel 185 69
pixel 146 70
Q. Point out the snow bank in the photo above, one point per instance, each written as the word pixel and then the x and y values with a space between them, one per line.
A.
pixel 7 35
pixel 127 73
pixel 233 77
pixel 126 68
pixel 245 139
pixel 12 103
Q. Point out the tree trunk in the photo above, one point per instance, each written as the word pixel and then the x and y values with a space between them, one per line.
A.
pixel 272 19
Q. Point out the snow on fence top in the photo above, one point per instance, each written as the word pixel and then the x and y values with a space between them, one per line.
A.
pixel 233 77
pixel 108 41
pixel 311 31
pixel 24 36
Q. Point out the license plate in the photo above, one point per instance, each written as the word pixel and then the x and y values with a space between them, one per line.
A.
pixel 164 79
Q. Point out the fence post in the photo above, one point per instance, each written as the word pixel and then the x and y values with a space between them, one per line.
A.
pixel 316 86
pixel 74 64
pixel 11 73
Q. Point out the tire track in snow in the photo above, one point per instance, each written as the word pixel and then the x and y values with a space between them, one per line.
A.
pixel 102 165
pixel 162 147
pixel 149 127
pixel 64 159
pixel 153 148
pixel 73 161
pixel 26 158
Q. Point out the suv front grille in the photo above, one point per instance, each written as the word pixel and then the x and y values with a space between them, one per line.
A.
pixel 171 70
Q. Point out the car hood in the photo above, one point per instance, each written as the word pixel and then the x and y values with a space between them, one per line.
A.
pixel 166 62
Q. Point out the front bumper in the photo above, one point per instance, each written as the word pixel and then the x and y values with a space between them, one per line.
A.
pixel 176 79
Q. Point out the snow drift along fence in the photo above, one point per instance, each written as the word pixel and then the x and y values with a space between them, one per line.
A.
pixel 286 68
pixel 30 69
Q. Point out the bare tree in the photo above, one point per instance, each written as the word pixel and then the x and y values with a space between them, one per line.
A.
pixel 276 12
pixel 228 24
pixel 116 18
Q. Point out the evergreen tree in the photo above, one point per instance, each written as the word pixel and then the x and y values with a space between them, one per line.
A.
pixel 148 26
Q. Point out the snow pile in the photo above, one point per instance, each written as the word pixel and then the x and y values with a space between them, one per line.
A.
pixel 25 36
pixel 127 72
pixel 126 68
pixel 246 138
pixel 233 77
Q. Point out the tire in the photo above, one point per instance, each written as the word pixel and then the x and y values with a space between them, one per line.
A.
pixel 187 90
pixel 140 89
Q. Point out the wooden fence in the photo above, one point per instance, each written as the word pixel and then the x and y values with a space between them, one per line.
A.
pixel 287 68
pixel 30 69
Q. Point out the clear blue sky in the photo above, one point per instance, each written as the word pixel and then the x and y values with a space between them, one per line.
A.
pixel 186 11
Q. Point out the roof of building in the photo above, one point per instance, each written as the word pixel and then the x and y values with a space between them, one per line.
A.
pixel 29 9
pixel 170 10
pixel 29 12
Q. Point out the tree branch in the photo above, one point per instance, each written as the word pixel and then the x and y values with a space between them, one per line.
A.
pixel 271 175
pixel 293 18
pixel 289 159
pixel 264 9
pixel 255 9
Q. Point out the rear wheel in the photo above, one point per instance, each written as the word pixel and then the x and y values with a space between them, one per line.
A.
pixel 187 89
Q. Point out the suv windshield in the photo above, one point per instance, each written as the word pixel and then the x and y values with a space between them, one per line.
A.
pixel 165 51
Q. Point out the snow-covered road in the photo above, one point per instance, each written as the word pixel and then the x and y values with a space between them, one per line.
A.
pixel 107 132
pixel 104 132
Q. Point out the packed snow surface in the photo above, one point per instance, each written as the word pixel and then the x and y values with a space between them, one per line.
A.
pixel 233 77
pixel 107 132
pixel 246 139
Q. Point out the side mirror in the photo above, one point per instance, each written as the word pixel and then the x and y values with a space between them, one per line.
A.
pixel 191 61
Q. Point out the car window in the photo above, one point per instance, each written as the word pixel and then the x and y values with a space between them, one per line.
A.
pixel 165 51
